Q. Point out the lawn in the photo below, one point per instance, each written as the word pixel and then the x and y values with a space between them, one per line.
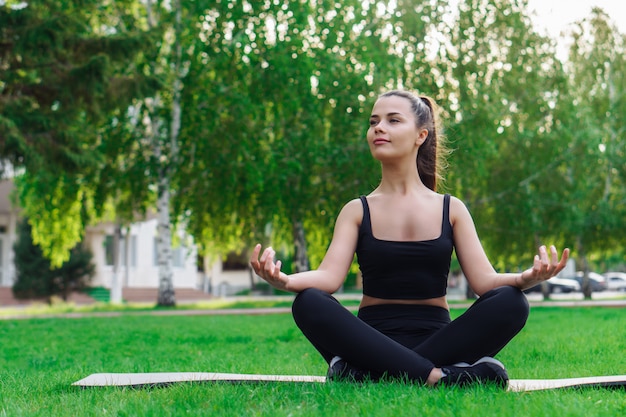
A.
pixel 41 357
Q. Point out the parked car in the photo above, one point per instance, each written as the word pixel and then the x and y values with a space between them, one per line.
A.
pixel 557 285
pixel 565 285
pixel 616 281
pixel 598 282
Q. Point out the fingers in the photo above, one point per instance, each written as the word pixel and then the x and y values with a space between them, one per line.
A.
pixel 548 265
pixel 565 257
pixel 265 266
pixel 563 262
pixel 543 254
pixel 554 257
pixel 536 263
pixel 254 258
pixel 541 263
pixel 267 260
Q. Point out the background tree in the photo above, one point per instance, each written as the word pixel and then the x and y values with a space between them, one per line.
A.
pixel 286 86
pixel 64 66
pixel 36 278
pixel 502 80
pixel 251 116
pixel 163 114
pixel 591 118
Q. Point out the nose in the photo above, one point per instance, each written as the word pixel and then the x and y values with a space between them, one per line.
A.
pixel 378 127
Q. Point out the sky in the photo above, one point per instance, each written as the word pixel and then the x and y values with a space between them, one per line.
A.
pixel 552 17
pixel 555 15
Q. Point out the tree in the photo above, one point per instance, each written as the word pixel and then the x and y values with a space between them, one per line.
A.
pixel 64 67
pixel 502 80
pixel 36 278
pixel 591 118
pixel 244 121
pixel 286 85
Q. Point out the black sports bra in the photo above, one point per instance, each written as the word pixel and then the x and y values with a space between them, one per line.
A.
pixel 405 270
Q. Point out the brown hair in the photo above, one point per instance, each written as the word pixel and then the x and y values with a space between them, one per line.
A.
pixel 431 155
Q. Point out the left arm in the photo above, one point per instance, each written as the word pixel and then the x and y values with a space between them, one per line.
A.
pixel 476 267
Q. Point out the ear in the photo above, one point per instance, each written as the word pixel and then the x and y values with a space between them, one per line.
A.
pixel 422 134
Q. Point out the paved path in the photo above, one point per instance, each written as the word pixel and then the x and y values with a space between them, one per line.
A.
pixel 534 303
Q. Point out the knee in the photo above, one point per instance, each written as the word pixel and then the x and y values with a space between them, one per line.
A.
pixel 307 303
pixel 514 303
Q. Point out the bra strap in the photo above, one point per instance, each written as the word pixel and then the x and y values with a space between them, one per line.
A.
pixel 446 210
pixel 366 223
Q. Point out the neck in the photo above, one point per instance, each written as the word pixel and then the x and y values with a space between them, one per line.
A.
pixel 400 179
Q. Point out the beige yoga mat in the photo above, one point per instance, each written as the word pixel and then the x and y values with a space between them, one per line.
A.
pixel 167 378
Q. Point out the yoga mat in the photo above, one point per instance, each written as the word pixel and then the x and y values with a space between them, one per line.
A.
pixel 167 378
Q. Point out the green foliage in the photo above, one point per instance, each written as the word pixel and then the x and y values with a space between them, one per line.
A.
pixel 287 86
pixel 62 207
pixel 57 75
pixel 35 278
pixel 66 67
pixel 592 119
pixel 505 78
pixel 274 99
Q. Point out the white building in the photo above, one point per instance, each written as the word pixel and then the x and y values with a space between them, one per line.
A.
pixel 137 270
pixel 138 264
pixel 8 223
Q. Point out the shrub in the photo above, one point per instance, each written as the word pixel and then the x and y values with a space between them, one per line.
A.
pixel 36 279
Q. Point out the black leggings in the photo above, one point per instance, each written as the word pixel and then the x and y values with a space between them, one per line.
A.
pixel 408 341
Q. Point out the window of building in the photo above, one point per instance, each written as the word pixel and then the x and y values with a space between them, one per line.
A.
pixel 132 252
pixel 235 262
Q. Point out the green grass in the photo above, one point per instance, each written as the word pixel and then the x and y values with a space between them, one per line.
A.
pixel 60 308
pixel 41 357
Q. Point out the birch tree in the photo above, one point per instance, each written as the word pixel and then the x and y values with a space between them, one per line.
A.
pixel 502 81
pixel 287 85
pixel 592 119
pixel 162 124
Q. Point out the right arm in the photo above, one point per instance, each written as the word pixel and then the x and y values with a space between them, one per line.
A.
pixel 331 273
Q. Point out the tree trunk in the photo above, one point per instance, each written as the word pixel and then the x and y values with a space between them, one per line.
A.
pixel 252 275
pixel 127 240
pixel 545 290
pixel 300 257
pixel 166 295
pixel 206 283
pixel 586 283
pixel 116 285
pixel 584 266
pixel 545 287
pixel 168 163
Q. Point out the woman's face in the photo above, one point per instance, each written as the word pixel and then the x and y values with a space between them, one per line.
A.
pixel 393 131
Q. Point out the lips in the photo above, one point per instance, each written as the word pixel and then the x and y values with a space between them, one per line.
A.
pixel 380 141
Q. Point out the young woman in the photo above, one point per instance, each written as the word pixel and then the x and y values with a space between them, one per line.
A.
pixel 403 234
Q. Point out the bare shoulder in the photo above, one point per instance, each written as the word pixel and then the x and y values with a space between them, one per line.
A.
pixel 352 211
pixel 457 203
pixel 458 209
pixel 348 222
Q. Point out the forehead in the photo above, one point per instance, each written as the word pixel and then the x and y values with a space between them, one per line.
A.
pixel 392 104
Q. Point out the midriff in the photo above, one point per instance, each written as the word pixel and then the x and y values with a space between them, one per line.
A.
pixel 367 301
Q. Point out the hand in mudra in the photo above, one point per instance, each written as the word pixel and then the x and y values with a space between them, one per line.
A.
pixel 544 266
pixel 266 268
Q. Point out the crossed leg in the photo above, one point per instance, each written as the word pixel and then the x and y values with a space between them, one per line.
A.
pixel 483 330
